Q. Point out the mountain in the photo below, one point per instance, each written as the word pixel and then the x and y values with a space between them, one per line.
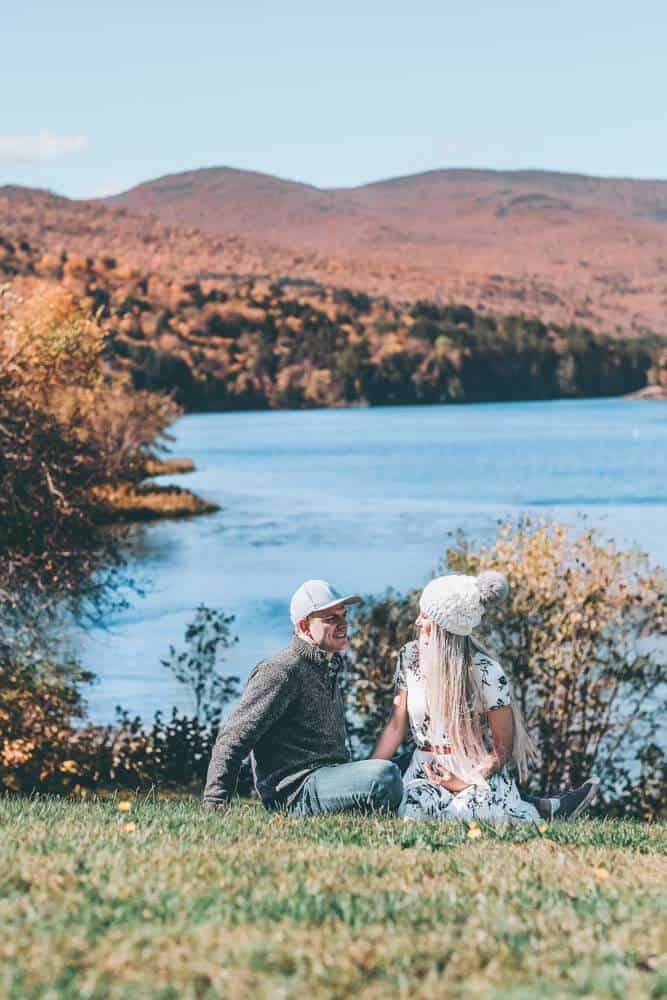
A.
pixel 566 247
pixel 61 225
pixel 467 205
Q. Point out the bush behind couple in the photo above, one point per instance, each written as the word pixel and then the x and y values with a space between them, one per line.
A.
pixel 452 698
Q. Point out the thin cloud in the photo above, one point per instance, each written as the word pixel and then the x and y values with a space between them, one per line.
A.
pixel 40 148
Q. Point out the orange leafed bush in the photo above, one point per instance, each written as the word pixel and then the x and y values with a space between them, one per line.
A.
pixel 68 425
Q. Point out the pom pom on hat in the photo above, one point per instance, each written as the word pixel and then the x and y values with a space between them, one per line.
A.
pixel 493 587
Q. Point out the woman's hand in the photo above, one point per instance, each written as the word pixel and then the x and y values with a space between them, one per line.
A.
pixel 439 775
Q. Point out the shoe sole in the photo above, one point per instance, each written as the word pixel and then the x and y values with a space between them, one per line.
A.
pixel 584 804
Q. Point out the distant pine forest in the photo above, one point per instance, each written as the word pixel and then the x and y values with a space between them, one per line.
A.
pixel 232 342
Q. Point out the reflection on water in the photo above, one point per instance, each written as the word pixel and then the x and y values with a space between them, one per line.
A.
pixel 368 499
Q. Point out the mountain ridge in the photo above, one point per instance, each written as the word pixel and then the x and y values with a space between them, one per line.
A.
pixel 522 173
pixel 566 247
pixel 569 248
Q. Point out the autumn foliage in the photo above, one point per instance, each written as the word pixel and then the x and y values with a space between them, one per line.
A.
pixel 228 342
pixel 68 425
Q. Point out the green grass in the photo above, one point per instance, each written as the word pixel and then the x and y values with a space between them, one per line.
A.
pixel 170 901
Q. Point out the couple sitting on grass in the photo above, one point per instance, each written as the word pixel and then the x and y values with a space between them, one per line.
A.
pixel 452 698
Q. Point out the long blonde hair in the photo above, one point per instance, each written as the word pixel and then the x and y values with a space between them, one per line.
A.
pixel 455 706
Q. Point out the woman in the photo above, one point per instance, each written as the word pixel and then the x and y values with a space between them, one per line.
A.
pixel 457 703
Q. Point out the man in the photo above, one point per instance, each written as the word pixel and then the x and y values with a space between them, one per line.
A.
pixel 291 720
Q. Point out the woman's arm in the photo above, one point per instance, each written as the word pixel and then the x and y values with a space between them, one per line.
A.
pixel 395 730
pixel 501 724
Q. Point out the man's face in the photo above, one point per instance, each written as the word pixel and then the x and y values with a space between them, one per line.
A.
pixel 327 629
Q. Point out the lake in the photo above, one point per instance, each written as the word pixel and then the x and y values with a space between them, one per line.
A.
pixel 367 498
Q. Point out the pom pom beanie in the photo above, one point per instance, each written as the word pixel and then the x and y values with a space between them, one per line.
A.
pixel 456 603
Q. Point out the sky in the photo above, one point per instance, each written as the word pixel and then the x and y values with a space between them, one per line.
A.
pixel 98 97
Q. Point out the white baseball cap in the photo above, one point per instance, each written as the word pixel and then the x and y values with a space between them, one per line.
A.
pixel 316 595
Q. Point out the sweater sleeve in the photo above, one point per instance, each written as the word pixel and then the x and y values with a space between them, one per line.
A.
pixel 267 695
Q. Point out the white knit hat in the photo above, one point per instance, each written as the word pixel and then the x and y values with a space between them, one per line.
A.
pixel 456 603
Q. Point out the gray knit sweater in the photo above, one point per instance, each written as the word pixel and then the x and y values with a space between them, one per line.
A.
pixel 290 718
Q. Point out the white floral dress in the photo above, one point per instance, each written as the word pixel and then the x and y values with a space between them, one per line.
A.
pixel 495 798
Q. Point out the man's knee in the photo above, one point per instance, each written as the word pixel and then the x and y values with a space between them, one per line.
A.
pixel 386 787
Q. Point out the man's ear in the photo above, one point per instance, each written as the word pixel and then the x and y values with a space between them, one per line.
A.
pixel 304 627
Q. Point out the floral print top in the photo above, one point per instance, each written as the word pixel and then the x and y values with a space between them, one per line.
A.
pixel 490 680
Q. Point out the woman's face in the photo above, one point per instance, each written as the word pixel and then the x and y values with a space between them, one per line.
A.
pixel 424 625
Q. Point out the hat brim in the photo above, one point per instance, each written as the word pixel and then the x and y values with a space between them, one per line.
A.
pixel 350 599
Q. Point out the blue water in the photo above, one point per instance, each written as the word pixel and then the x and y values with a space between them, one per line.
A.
pixel 367 499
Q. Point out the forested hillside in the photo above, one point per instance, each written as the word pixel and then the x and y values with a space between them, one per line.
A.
pixel 238 342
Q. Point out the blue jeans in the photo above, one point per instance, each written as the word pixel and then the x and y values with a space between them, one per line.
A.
pixel 366 785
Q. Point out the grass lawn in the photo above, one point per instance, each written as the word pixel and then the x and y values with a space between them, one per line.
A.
pixel 166 900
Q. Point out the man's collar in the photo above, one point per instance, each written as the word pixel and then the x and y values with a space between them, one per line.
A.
pixel 316 655
pixel 309 651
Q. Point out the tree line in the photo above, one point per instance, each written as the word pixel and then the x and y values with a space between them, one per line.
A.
pixel 338 349
pixel 229 342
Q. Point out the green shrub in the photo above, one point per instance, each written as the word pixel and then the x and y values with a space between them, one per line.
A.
pixel 196 666
pixel 47 746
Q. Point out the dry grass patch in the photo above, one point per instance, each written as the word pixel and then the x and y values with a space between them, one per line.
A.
pixel 149 501
pixel 168 467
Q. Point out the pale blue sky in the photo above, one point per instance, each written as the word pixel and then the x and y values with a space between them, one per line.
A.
pixel 96 98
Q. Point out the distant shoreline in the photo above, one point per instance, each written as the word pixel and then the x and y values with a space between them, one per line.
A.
pixel 646 393
pixel 651 392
